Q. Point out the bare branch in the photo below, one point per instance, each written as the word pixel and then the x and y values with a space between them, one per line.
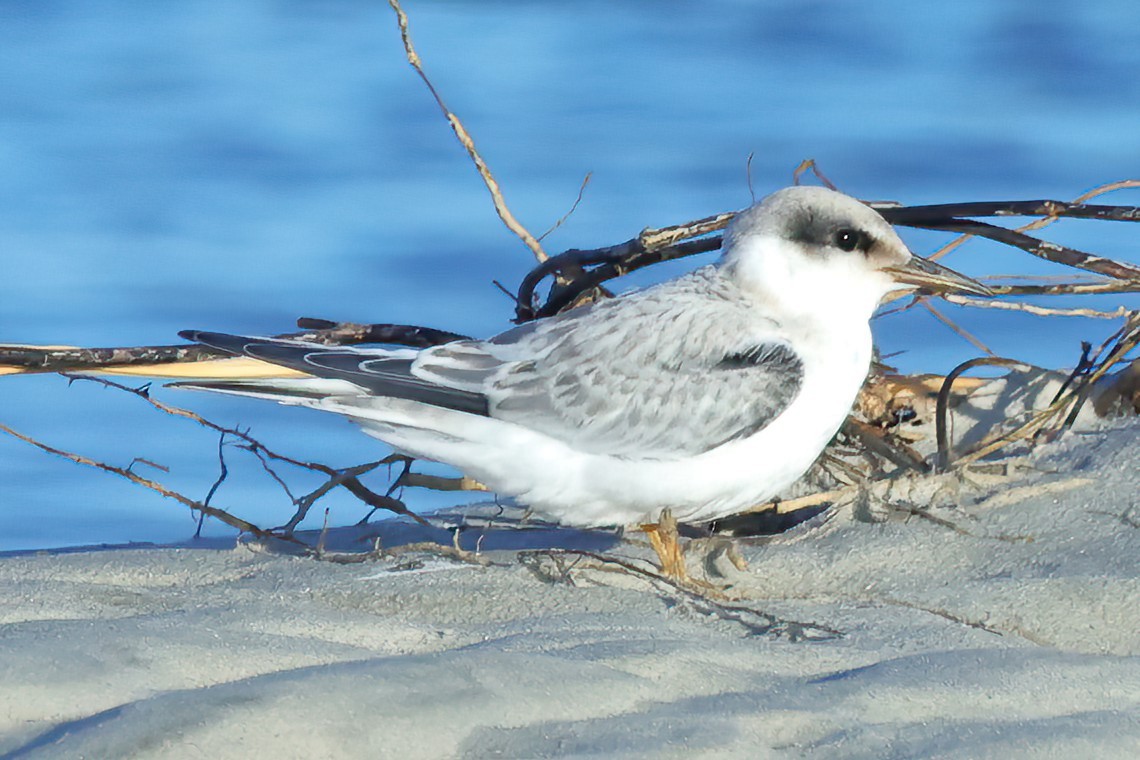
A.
pixel 1058 254
pixel 1046 220
pixel 1065 289
pixel 347 478
pixel 467 142
pixel 197 506
pixel 573 207
pixel 615 261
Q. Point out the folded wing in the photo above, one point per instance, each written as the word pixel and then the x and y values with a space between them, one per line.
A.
pixel 655 375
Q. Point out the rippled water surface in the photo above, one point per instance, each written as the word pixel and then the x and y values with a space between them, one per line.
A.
pixel 237 165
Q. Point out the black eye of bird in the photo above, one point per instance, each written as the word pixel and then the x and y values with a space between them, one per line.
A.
pixel 848 239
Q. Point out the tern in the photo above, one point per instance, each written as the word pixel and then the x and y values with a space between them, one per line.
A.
pixel 690 400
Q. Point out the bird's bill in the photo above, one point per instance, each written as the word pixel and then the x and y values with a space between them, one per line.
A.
pixel 924 273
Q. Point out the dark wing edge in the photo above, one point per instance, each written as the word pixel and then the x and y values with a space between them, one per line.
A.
pixel 374 373
pixel 772 361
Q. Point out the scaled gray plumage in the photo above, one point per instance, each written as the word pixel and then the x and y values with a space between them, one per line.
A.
pixel 680 385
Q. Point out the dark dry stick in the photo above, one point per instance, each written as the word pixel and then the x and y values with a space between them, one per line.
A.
pixel 348 333
pixel 713 600
pixel 223 473
pixel 942 409
pixel 610 263
pixel 322 331
pixel 1129 338
pixel 1051 206
pixel 71 359
pixel 919 215
pixel 348 479
pixel 885 445
pixel 654 246
pixel 218 514
pixel 336 478
pixel 1058 254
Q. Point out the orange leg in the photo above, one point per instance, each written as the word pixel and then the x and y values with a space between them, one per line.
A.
pixel 665 540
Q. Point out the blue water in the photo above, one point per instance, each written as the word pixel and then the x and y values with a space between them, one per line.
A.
pixel 237 165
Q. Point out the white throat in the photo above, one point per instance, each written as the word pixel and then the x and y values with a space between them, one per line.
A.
pixel 793 281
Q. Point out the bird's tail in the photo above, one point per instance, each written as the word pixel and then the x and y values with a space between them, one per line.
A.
pixel 303 391
pixel 359 372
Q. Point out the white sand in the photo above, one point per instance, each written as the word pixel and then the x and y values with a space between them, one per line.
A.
pixel 1021 639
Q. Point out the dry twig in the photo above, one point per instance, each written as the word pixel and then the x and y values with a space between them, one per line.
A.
pixel 567 215
pixel 585 269
pixel 151 361
pixel 958 329
pixel 465 139
pixel 126 472
pixel 347 478
pixel 1028 308
pixel 1047 219
pixel 1065 407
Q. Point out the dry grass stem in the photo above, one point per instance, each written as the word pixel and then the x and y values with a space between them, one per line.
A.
pixel 788 506
pixel 810 165
pixel 1064 408
pixel 957 329
pixel 568 214
pixel 1028 308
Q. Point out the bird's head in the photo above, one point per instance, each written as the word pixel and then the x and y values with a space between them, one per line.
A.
pixel 809 244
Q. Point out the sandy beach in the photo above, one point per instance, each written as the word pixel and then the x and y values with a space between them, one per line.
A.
pixel 1002 622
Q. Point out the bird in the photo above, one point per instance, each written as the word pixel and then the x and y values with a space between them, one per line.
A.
pixel 690 400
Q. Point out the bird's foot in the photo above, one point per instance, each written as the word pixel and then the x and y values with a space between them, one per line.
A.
pixel 666 541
